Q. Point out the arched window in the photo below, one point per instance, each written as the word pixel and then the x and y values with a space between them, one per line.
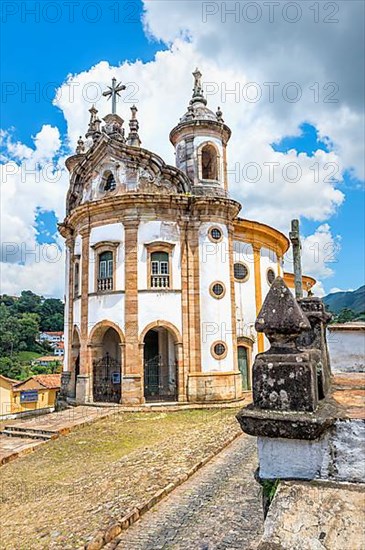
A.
pixel 209 163
pixel 105 271
pixel 76 279
pixel 160 271
pixel 108 183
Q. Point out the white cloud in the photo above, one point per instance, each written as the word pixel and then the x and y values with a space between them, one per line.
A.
pixel 35 179
pixel 230 55
pixel 319 256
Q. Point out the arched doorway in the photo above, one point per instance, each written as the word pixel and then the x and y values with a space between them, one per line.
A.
pixel 107 374
pixel 160 365
pixel 244 366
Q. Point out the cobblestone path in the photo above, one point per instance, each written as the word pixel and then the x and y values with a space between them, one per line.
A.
pixel 218 508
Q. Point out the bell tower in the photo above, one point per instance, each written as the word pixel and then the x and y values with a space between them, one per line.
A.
pixel 200 140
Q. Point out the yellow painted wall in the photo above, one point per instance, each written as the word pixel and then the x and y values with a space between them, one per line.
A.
pixel 5 396
pixel 46 398
pixel 10 400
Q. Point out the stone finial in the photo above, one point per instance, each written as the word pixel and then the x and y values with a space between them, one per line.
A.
pixel 80 149
pixel 133 137
pixel 281 318
pixel 198 96
pixel 219 115
pixel 294 237
pixel 94 124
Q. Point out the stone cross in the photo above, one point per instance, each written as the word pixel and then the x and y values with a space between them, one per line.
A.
pixel 113 92
pixel 294 236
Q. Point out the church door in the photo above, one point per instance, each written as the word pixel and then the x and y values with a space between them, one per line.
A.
pixel 242 354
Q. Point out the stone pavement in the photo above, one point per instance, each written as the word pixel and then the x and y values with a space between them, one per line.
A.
pixel 316 515
pixel 55 424
pixel 218 508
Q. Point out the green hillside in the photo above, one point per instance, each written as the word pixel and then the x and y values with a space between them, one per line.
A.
pixel 354 300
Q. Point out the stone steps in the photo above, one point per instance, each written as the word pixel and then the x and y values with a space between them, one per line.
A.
pixel 28 433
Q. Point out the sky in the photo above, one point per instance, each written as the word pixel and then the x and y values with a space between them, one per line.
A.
pixel 288 76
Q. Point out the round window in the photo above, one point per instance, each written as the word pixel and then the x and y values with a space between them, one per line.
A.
pixel 240 272
pixel 270 276
pixel 215 234
pixel 217 290
pixel 219 350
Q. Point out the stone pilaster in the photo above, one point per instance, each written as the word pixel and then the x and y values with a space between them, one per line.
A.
pixel 258 290
pixel 83 380
pixel 70 245
pixel 233 297
pixel 132 390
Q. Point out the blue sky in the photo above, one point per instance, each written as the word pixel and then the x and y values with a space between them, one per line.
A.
pixel 38 53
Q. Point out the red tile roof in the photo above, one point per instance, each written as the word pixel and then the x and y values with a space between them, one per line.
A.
pixel 50 381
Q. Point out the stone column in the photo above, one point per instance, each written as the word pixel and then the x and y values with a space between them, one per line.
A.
pixel 132 380
pixel 286 415
pixel 83 380
pixel 258 290
pixel 233 298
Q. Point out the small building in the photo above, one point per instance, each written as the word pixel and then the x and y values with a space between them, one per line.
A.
pixel 59 349
pixel 47 360
pixel 6 394
pixel 37 394
pixel 346 343
pixel 53 338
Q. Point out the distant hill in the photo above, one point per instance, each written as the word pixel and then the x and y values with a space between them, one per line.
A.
pixel 354 300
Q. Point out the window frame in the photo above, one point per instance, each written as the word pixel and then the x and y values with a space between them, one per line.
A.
pixel 167 248
pixel 210 230
pixel 217 296
pixel 99 249
pixel 76 277
pixel 213 353
pixel 247 276
pixel 218 163
pixel 270 269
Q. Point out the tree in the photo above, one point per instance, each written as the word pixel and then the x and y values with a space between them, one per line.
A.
pixel 346 314
pixel 28 331
pixel 28 302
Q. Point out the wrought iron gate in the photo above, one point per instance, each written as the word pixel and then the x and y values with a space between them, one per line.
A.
pixel 107 380
pixel 160 380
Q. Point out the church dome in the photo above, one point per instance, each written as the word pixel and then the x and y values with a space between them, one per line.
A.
pixel 197 109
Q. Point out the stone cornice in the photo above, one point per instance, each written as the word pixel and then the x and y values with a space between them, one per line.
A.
pixel 261 236
pixel 165 207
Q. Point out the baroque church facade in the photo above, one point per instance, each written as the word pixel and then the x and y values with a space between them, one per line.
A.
pixel 164 280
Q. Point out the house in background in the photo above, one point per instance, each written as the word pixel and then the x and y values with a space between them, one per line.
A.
pixel 59 349
pixel 53 338
pixel 36 395
pixel 48 361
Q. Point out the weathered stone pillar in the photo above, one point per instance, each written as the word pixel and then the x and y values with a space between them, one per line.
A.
pixel 83 380
pixel 258 290
pixel 132 379
pixel 302 433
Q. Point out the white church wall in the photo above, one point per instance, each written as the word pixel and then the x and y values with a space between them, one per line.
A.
pixel 108 232
pixel 268 260
pixel 77 313
pixel 216 319
pixel 149 232
pixel 106 306
pixel 159 306
pixel 245 291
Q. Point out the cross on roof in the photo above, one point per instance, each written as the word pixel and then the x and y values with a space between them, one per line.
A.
pixel 113 92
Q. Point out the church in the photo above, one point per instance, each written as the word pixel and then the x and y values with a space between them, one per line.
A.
pixel 164 278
